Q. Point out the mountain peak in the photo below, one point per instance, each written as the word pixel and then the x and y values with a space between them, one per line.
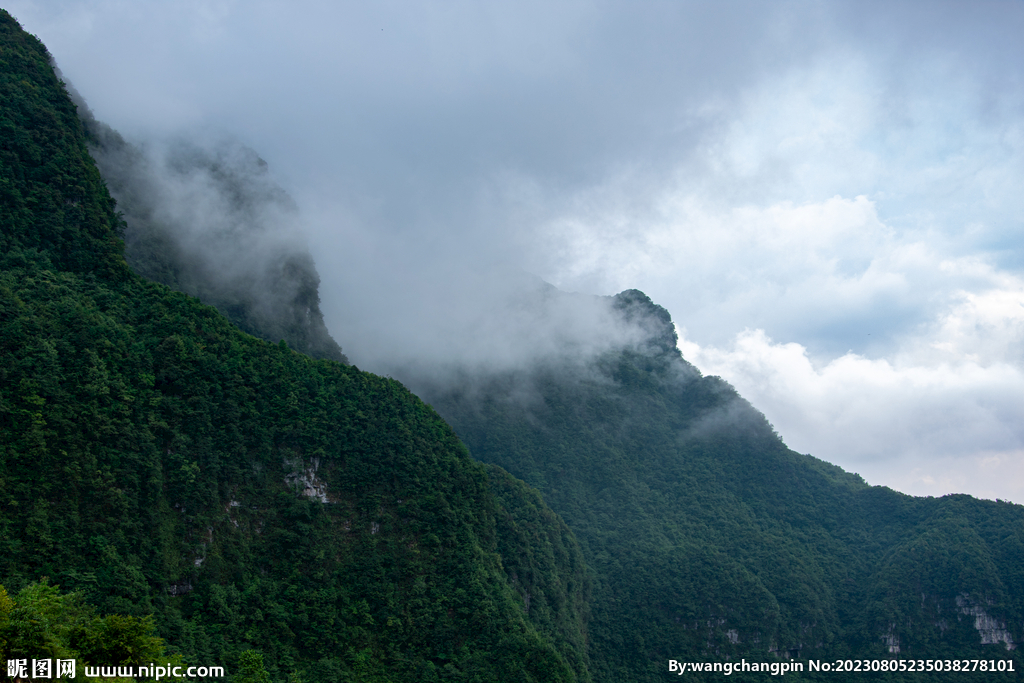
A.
pixel 636 308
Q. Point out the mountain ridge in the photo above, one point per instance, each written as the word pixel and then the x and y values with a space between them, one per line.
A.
pixel 708 536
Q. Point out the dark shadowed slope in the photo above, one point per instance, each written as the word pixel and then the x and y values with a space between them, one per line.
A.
pixel 156 459
pixel 710 540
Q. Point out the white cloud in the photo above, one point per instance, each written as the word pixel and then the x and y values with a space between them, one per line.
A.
pixel 799 269
pixel 944 414
pixel 864 212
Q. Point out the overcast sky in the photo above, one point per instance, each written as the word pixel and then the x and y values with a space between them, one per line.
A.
pixel 826 196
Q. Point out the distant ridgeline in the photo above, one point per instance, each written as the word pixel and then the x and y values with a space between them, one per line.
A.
pixel 210 222
pixel 709 540
pixel 154 459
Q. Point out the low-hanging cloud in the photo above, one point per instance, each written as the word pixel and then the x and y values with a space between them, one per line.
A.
pixel 209 220
pixel 841 175
pixel 204 216
pixel 484 321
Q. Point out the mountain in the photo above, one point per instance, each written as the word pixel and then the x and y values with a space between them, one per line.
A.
pixel 155 459
pixel 710 540
pixel 208 220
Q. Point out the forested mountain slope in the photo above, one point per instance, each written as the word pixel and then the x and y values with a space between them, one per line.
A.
pixel 156 459
pixel 710 540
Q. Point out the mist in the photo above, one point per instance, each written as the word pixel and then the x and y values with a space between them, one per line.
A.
pixel 203 216
pixel 823 194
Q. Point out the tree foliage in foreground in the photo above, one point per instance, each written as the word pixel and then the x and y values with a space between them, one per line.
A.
pixel 40 622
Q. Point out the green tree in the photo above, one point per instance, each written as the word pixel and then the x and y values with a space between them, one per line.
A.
pixel 250 668
pixel 40 622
